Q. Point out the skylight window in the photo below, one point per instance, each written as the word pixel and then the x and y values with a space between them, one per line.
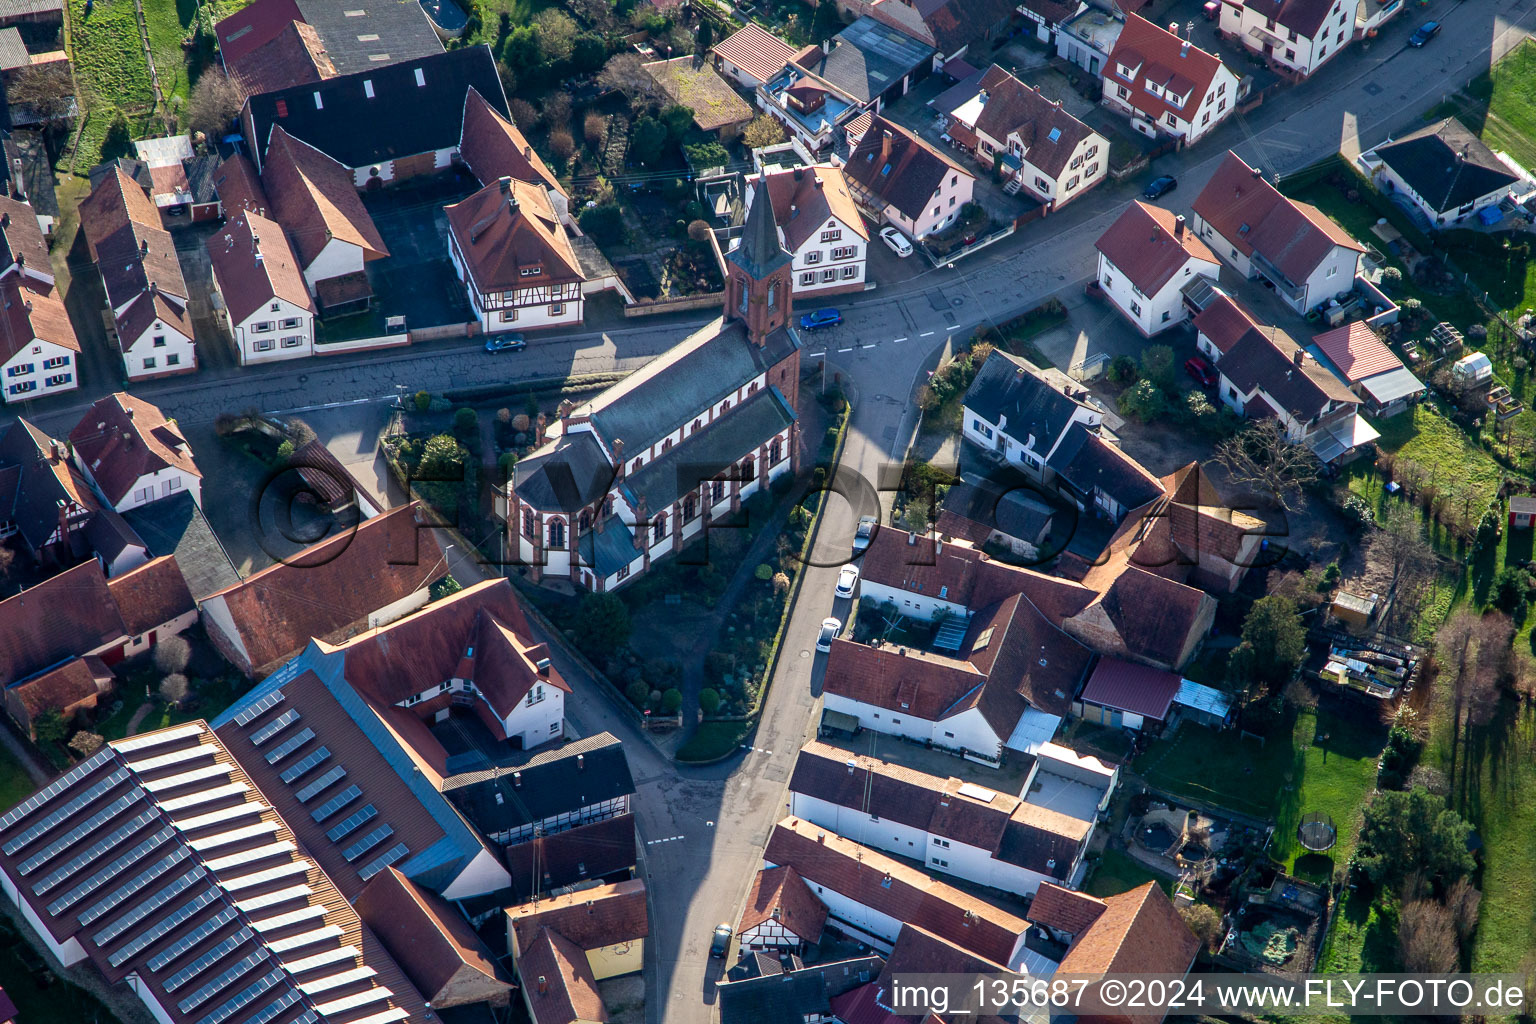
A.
pixel 1055 135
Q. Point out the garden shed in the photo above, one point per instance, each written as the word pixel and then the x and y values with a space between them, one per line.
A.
pixel 1522 511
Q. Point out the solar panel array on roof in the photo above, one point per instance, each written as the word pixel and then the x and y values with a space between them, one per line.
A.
pixel 72 807
pixel 275 726
pixel 157 739
pixel 325 781
pixel 334 805
pixel 53 789
pixel 79 832
pixel 190 941
pixel 94 852
pixel 225 978
pixel 115 898
pixel 304 765
pixel 274 898
pixel 393 854
pixel 351 823
pixel 149 906
pixel 261 707
pixel 219 951
pixel 111 871
pixel 368 842
pixel 289 745
pixel 190 778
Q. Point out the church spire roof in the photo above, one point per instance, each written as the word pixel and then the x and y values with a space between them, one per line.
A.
pixel 759 252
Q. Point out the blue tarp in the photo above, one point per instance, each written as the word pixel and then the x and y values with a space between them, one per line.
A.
pixel 1490 214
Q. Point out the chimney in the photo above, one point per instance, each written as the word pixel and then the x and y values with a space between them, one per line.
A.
pixel 1257 174
pixel 821 837
pixel 851 765
pixel 5 220
pixel 1184 49
pixel 56 450
pixel 901 652
pixel 543 985
pixel 517 780
pixel 1178 226
pixel 591 906
pixel 911 538
pixel 255 243
pixel 527 152
pixel 1300 358
pixel 1173 29
pixel 505 184
pixel 618 457
pixel 563 410
pixel 144 247
pixel 21 259
pixel 642 524
pixel 581 762
pixel 983 96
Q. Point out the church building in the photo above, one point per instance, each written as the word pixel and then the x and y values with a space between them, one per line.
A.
pixel 641 469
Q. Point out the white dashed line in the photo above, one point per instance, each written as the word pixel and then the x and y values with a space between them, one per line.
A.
pixel 848 349
pixel 759 750
pixel 669 839
pixel 899 340
pixel 925 334
pixel 871 344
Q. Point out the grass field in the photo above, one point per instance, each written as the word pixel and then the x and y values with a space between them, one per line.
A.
pixel 110 70
pixel 15 783
pixel 713 740
pixel 1117 872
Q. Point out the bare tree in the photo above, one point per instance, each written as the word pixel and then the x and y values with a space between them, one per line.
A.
pixel 1463 900
pixel 626 73
pixel 1402 549
pixel 172 654
pixel 1476 660
pixel 174 688
pixel 214 103
pixel 1261 457
pixel 44 91
pixel 1426 938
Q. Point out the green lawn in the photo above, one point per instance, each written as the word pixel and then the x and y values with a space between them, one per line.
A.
pixel 15 783
pixel 169 21
pixel 1222 768
pixel 713 740
pixel 1363 938
pixel 110 70
pixel 1117 872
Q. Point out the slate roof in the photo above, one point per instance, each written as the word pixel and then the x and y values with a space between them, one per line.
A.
pixel 866 59
pixel 916 168
pixel 33 480
pixel 565 474
pixel 781 895
pixel 974 510
pixel 1268 359
pixel 491 146
pixel 506 229
pixel 761 251
pixel 176 526
pixel 791 998
pixel 1087 461
pixel 400 118
pixel 1254 217
pixel 892 887
pixel 1149 246
pixel 314 199
pixel 1009 387
pixel 1159 56
pixel 122 438
pixel 542 784
pixel 1011 106
pixel 697 85
pixel 332 584
pixel 706 453
pixel 1128 686
pixel 356 36
pixel 1447 165
pixel 756 51
pixel 255 264
pixel 430 939
pixel 590 918
pixel 806 198
pixel 600 850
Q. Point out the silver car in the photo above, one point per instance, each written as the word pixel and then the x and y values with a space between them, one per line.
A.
pixel 865 532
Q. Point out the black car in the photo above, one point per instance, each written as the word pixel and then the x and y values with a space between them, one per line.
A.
pixel 1159 187
pixel 1424 33
pixel 506 343
pixel 720 944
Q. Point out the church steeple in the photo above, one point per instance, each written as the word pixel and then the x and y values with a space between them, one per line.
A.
pixel 758 272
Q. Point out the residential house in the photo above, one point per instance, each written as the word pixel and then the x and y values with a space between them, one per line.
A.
pixel 28 176
pixel 956 29
pixel 608 923
pixel 1022 413
pixel 511 252
pixel 141 274
pixel 380 123
pixel 257 277
pixel 1267 374
pixel 918 951
pixel 1099 477
pixel 1046 17
pixel 1135 932
pixel 1087 38
pixel 858 71
pixel 315 201
pixel 492 147
pixel 1264 236
pixel 640 469
pixel 61 638
pixel 983 512
pixel 132 454
pixel 751 56
pixel 176 526
pixel 23 240
pixel 870 896
pixel 1165 84
pixel 43 498
pixel 1443 171
pixel 1146 259
pixel 1125 695
pixel 40 18
pixel 1299 36
pixel 902 180
pixel 819 226
pixel 364 37
pixel 1221 323
pixel 1196 536
pixel 159 861
pixel 602 851
pixel 538 795
pixel 364 577
pixel 433 943
pixel 180 179
pixel 1012 843
pixel 1046 153
pixel 696 84
pixel 800 993
pixel 38 347
pixel 1371 370
pixel 781 913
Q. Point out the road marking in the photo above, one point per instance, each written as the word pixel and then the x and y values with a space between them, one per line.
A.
pixel 758 750
pixel 669 839
pixel 848 349
pixel 899 340
pixel 872 344
pixel 925 334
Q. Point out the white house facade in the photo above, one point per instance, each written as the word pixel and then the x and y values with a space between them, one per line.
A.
pixel 1146 259
pixel 162 349
pixel 280 330
pixel 38 369
pixel 1165 84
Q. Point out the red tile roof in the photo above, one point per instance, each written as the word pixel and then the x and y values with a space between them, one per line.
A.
pixel 254 26
pixel 33 311
pixel 62 617
pixel 78 681
pixel 1149 246
pixel 1254 217
pixel 508 228
pixel 1064 910
pixel 755 51
pixel 1224 320
pixel 892 887
pixel 1356 351
pixel 1154 54
pixel 1127 686
pixel 917 169
pixel 558 983
pixel 780 894
pixel 23 237
pixel 1011 106
pixel 151 595
pixel 806 198
pixel 492 147
pixel 1139 932
pixel 255 264
pixel 122 438
pixel 294 56
pixel 431 940
pixel 239 186
pixel 578 854
pixel 314 199
pixel 590 918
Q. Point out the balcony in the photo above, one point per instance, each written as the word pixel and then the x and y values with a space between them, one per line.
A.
pixel 1272 274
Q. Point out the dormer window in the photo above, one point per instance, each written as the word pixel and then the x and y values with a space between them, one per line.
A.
pixel 531 271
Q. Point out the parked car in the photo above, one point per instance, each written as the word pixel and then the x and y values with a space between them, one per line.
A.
pixel 1424 33
pixel 896 241
pixel 1160 186
pixel 506 343
pixel 829 630
pixel 865 533
pixel 720 943
pixel 820 318
pixel 847 579
pixel 1201 370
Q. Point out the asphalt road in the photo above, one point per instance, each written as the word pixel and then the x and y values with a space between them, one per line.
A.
pixel 703 829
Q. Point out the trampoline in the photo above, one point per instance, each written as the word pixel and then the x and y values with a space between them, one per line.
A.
pixel 1317 832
